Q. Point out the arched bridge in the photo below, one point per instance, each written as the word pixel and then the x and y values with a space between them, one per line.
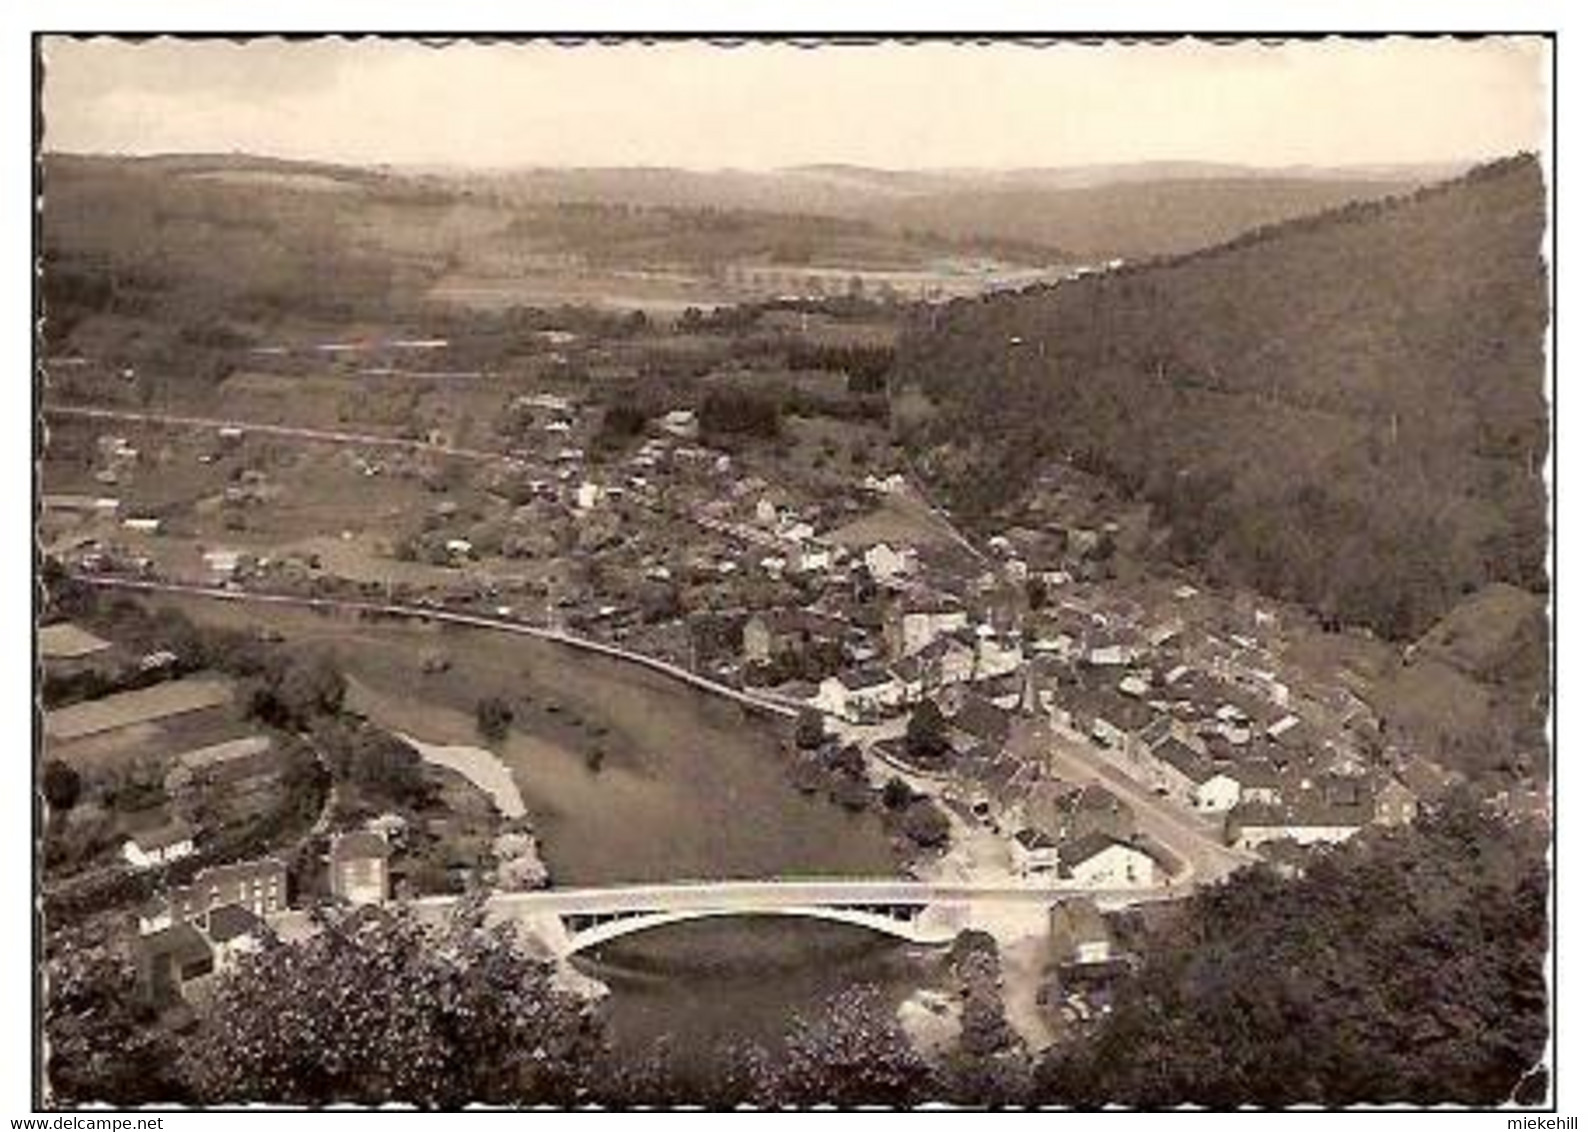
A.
pixel 567 921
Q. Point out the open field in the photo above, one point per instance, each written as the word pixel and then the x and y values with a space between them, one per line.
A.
pixel 146 705
pixel 894 522
pixel 65 641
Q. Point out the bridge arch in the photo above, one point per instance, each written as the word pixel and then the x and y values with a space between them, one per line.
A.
pixel 911 923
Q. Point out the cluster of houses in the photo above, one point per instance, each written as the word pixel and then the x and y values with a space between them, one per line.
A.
pixel 191 932
pixel 1203 719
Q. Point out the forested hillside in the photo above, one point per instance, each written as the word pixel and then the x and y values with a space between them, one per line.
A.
pixel 1347 410
pixel 1404 968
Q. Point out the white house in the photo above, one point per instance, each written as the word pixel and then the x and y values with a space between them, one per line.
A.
pixel 160 846
pixel 588 495
pixel 142 524
pixel 859 695
pixel 1115 655
pixel 1100 861
pixel 886 564
pixel 1217 793
pixel 681 423
pixel 360 868
pixel 917 623
pixel 222 563
pixel 811 559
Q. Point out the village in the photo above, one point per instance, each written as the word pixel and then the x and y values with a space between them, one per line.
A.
pixel 1039 708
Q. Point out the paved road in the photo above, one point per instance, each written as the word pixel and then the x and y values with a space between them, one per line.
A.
pixel 292 432
pixel 1184 833
pixel 473 620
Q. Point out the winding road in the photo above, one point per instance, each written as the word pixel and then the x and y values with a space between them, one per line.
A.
pixel 290 432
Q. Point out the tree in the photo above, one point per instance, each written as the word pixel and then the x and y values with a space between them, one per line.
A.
pixel 925 824
pixel 493 715
pixel 388 1010
pixel 298 692
pixel 104 1046
pixel 852 1051
pixel 926 735
pixel 62 785
pixel 896 794
pixel 809 729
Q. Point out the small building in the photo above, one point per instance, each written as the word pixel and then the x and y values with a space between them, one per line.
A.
pixel 1394 803
pixel 982 721
pixel 768 636
pixel 947 661
pixel 916 622
pixel 228 761
pixel 681 423
pixel 1070 811
pixel 1034 855
pixel 1078 935
pixel 159 846
pixel 233 931
pixel 1259 782
pixel 860 695
pixel 171 961
pixel 222 564
pixel 886 564
pixel 361 868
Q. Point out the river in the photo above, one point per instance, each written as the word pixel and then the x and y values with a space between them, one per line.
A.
pixel 688 786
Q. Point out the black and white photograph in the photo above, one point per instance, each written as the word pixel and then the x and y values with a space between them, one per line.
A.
pixel 791 572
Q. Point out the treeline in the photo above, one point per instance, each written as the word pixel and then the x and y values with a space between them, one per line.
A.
pixel 866 366
pixel 733 411
pixel 1346 410
pixel 1404 968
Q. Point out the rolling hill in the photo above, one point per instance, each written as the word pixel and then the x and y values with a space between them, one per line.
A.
pixel 1346 409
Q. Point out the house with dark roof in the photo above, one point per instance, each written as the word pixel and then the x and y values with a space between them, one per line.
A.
pixel 233 931
pixel 1310 817
pixel 1033 855
pixel 776 633
pixel 1100 861
pixel 1068 811
pixel 982 721
pixel 1078 935
pixel 172 962
pixel 950 659
pixel 1259 781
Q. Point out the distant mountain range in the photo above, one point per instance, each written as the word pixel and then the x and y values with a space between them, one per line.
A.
pixel 1084 213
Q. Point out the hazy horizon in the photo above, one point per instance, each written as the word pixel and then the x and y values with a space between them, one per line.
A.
pixel 766 106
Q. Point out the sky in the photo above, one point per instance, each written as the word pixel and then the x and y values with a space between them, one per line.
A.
pixel 764 105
